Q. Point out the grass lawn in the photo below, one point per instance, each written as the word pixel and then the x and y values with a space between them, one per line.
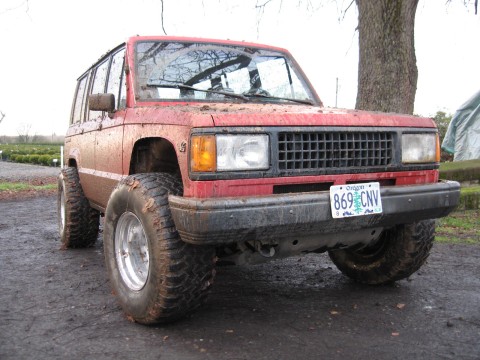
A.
pixel 460 227
pixel 16 186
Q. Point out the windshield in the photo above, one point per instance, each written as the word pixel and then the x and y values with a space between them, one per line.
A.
pixel 212 72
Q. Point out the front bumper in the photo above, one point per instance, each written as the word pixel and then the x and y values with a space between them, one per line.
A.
pixel 217 221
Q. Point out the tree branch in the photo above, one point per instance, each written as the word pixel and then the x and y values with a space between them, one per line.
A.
pixel 262 5
pixel 261 10
pixel 161 18
pixel 348 7
pixel 466 3
pixel 17 7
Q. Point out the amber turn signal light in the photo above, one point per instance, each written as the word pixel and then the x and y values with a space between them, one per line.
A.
pixel 203 153
pixel 437 157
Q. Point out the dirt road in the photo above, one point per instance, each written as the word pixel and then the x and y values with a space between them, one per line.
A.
pixel 57 304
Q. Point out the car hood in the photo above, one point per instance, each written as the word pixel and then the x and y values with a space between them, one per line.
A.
pixel 265 115
pixel 300 115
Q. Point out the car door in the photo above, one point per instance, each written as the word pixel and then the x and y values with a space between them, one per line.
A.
pixel 109 135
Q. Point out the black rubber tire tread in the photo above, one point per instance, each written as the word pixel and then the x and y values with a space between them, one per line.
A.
pixel 82 222
pixel 400 252
pixel 180 274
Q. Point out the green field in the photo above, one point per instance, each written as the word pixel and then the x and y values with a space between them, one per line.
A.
pixel 38 154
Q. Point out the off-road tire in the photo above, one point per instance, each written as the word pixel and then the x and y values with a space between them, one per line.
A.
pixel 179 274
pixel 399 252
pixel 78 223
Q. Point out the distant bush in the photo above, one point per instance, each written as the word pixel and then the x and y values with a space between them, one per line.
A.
pixel 34 159
pixel 45 160
pixel 20 158
pixel 40 154
pixel 469 198
pixel 468 170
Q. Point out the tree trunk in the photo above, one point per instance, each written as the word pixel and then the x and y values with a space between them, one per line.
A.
pixel 387 69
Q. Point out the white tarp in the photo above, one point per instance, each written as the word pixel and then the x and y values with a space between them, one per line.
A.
pixel 463 134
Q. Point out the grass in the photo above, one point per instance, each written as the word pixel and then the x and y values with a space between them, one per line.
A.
pixel 460 227
pixel 470 189
pixel 14 186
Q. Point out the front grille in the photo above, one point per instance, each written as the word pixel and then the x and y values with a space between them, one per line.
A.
pixel 333 150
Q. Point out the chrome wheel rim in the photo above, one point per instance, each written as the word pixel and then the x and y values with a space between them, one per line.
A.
pixel 131 251
pixel 62 210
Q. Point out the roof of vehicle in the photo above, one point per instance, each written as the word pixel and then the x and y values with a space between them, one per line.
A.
pixel 205 40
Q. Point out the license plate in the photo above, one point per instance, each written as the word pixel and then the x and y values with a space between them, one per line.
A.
pixel 355 200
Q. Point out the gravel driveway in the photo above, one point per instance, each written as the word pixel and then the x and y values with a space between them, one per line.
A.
pixel 10 171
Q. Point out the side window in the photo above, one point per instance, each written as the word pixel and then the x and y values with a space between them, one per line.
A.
pixel 77 113
pixel 98 86
pixel 116 81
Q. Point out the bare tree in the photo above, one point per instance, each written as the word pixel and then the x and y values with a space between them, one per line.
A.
pixel 387 69
pixel 23 132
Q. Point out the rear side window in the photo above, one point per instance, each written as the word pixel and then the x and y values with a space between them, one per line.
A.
pixel 78 113
pixel 98 86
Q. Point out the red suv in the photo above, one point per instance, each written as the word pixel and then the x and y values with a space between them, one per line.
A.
pixel 200 152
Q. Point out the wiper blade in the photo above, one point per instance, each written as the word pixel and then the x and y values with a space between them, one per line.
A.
pixel 306 102
pixel 188 87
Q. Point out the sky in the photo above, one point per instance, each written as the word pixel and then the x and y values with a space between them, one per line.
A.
pixel 47 44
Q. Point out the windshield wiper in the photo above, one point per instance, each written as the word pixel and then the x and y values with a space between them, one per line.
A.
pixel 188 87
pixel 306 102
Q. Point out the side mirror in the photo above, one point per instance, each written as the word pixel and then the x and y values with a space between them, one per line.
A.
pixel 101 102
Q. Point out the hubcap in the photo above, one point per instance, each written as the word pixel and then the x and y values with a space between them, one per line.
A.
pixel 131 251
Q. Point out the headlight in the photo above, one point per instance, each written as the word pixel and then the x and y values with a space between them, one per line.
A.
pixel 420 148
pixel 229 152
pixel 242 152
